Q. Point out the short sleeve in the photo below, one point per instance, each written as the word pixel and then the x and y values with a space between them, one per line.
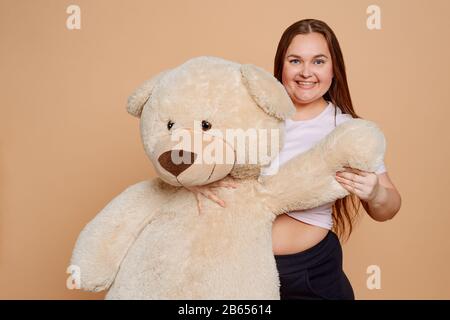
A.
pixel 381 169
pixel 341 118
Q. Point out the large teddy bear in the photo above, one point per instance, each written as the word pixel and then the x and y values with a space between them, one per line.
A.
pixel 150 242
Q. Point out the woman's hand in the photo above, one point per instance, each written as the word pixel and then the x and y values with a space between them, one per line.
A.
pixel 208 192
pixel 363 184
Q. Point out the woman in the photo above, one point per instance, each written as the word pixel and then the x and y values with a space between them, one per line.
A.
pixel 310 65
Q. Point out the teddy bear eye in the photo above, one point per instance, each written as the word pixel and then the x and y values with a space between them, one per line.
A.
pixel 206 125
pixel 170 125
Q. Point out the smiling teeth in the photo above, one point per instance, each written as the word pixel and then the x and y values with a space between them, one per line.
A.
pixel 304 82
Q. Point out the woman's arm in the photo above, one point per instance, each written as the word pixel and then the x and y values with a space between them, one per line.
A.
pixel 377 193
pixel 386 202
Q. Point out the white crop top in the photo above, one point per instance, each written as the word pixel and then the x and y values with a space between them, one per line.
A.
pixel 302 135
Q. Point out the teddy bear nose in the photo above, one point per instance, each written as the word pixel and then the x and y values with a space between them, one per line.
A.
pixel 183 160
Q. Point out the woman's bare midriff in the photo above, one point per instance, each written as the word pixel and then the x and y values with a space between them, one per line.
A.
pixel 291 236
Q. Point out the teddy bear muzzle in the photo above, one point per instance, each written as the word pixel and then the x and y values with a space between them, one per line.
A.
pixel 175 168
pixel 196 164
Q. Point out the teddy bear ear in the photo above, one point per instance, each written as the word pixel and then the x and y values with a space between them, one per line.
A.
pixel 139 97
pixel 268 93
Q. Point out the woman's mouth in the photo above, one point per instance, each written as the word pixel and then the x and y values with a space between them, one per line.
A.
pixel 306 84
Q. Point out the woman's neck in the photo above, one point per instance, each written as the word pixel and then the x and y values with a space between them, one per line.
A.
pixel 310 110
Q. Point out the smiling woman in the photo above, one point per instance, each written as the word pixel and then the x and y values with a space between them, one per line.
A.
pixel 310 64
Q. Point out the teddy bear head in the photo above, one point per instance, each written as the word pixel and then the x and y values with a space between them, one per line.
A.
pixel 209 118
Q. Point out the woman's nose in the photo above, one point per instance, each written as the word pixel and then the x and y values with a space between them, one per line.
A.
pixel 305 71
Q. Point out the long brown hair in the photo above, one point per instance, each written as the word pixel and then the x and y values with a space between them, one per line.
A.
pixel 345 211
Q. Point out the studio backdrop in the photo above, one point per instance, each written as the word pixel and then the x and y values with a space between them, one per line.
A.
pixel 68 146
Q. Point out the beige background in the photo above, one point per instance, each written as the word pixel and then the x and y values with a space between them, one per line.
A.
pixel 67 145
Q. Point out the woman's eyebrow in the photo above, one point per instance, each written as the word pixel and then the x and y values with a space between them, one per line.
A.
pixel 316 56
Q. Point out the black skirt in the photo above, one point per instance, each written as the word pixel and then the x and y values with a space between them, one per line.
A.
pixel 315 273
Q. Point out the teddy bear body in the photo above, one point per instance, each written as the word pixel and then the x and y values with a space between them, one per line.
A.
pixel 150 242
pixel 183 254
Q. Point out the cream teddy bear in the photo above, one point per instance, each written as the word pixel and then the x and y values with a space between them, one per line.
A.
pixel 150 242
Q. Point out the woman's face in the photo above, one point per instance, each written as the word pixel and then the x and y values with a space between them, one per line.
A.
pixel 307 70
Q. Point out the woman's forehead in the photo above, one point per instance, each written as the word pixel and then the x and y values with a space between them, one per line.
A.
pixel 308 45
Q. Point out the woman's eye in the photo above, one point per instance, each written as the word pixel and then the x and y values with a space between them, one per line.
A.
pixel 170 125
pixel 319 62
pixel 206 125
pixel 294 61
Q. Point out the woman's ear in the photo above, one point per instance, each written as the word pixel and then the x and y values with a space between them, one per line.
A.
pixel 268 93
pixel 140 96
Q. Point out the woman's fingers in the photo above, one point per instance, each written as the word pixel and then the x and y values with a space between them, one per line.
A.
pixel 207 191
pixel 197 194
pixel 350 176
pixel 349 185
pixel 212 196
pixel 199 203
pixel 226 184
pixel 357 171
pixel 350 181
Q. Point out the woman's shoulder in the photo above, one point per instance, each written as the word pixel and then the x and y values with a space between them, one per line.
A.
pixel 340 116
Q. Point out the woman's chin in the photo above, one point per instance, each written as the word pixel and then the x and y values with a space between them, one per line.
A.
pixel 305 99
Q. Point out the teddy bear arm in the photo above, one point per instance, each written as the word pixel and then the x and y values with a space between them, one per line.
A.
pixel 304 182
pixel 308 180
pixel 104 242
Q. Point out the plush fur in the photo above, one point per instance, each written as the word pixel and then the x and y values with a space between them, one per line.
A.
pixel 150 242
